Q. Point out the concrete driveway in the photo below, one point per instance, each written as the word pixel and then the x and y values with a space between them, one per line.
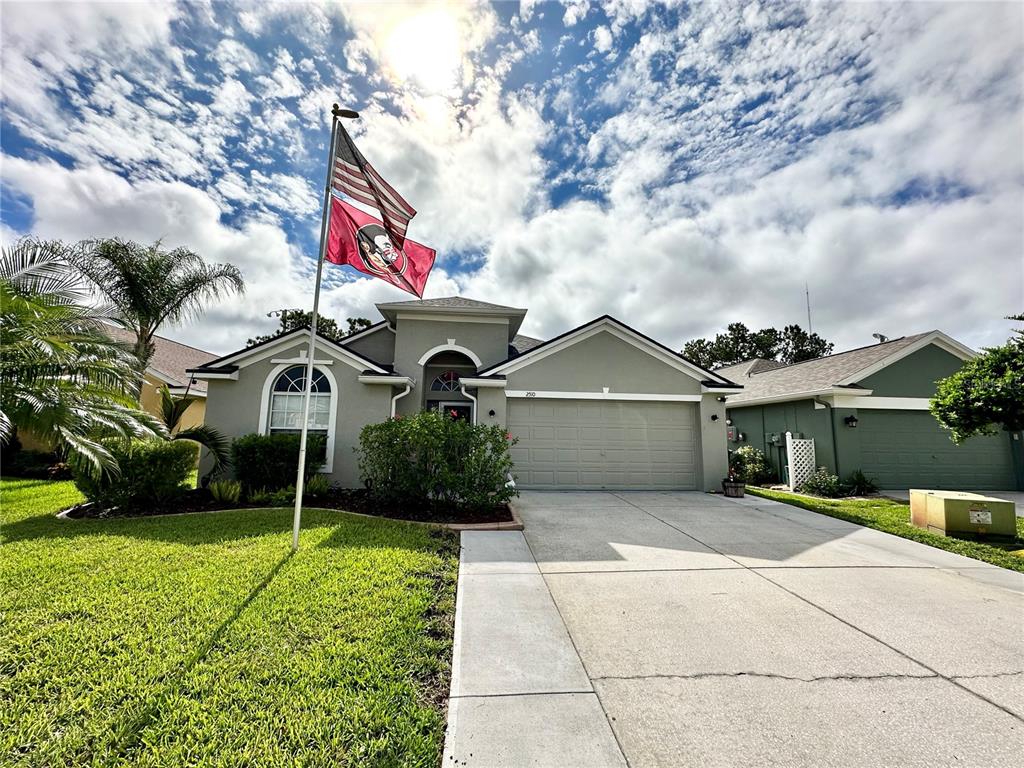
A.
pixel 668 629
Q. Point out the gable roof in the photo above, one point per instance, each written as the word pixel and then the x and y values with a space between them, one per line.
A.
pixel 448 302
pixel 523 343
pixel 171 359
pixel 455 305
pixel 622 331
pixel 235 360
pixel 843 369
pixel 748 367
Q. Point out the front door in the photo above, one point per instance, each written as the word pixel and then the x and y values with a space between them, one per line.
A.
pixel 461 410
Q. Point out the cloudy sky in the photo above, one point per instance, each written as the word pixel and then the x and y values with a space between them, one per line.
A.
pixel 679 167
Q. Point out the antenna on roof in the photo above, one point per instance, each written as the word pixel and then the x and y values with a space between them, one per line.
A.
pixel 882 338
pixel 807 292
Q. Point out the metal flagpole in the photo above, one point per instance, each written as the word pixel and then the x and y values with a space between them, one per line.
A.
pixel 300 478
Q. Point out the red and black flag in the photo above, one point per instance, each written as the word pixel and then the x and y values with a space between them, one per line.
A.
pixel 352 175
pixel 359 240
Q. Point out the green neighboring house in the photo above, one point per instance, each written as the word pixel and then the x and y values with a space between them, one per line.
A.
pixel 867 409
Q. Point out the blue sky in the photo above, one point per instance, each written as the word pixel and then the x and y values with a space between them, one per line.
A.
pixel 678 166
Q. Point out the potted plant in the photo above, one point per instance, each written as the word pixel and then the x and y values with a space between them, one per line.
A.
pixel 732 486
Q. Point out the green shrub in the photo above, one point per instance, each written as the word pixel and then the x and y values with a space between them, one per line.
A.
pixel 749 465
pixel 317 485
pixel 857 484
pixel 35 465
pixel 430 458
pixel 226 491
pixel 270 461
pixel 150 472
pixel 822 483
pixel 260 496
pixel 283 497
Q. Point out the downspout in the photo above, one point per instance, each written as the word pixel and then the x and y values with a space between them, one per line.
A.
pixel 399 396
pixel 832 422
pixel 462 387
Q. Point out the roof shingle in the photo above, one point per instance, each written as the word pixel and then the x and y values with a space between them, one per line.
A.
pixel 171 358
pixel 812 375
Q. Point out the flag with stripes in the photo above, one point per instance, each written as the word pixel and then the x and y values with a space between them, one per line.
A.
pixel 352 175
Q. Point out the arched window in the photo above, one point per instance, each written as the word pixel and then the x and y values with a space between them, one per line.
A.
pixel 286 404
pixel 446 382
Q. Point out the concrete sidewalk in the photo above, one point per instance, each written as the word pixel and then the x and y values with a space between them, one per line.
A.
pixel 669 629
pixel 519 694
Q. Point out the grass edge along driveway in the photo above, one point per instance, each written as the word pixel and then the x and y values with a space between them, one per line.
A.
pixel 894 517
pixel 200 640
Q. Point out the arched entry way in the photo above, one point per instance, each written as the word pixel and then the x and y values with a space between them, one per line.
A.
pixel 441 383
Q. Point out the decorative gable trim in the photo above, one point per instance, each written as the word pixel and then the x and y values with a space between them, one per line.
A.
pixel 260 352
pixel 621 331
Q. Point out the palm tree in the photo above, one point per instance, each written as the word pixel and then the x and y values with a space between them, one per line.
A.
pixel 61 376
pixel 172 409
pixel 150 286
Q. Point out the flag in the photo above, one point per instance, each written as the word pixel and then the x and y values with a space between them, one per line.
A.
pixel 361 241
pixel 355 177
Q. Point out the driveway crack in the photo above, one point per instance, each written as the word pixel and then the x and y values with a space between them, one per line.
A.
pixel 770 676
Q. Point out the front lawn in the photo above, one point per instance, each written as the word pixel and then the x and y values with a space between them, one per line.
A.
pixel 894 517
pixel 199 640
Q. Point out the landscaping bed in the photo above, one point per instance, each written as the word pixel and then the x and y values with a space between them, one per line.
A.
pixel 892 516
pixel 202 640
pixel 358 501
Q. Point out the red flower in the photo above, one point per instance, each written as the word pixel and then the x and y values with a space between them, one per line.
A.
pixel 508 435
pixel 455 414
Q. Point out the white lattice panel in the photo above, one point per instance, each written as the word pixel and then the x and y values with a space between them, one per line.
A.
pixel 800 454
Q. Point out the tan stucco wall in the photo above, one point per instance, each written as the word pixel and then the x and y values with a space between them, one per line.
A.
pixel 234 407
pixel 488 340
pixel 603 360
pixel 150 402
pixel 379 346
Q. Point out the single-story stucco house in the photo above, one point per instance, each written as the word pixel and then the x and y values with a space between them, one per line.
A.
pixel 600 406
pixel 867 409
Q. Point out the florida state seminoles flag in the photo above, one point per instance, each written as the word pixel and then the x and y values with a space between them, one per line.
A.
pixel 359 240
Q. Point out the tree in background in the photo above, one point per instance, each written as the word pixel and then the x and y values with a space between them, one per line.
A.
pixel 790 345
pixel 150 286
pixel 61 376
pixel 986 394
pixel 292 319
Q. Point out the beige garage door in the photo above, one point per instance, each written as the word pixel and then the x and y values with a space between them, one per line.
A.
pixel 597 444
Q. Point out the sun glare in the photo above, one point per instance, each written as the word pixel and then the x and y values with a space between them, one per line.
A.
pixel 426 48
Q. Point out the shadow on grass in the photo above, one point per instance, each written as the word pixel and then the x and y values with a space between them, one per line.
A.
pixel 217 527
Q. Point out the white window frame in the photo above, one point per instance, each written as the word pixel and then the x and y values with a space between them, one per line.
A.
pixel 442 404
pixel 332 423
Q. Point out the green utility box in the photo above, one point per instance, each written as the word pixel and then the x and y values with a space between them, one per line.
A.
pixel 957 512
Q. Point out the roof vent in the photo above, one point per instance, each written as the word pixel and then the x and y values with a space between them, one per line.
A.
pixel 882 338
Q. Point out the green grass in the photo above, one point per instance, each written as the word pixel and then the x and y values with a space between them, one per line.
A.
pixel 199 640
pixel 894 517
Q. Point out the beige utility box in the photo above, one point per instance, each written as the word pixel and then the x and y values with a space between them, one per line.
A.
pixel 958 512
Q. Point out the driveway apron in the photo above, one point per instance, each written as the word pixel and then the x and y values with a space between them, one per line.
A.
pixel 679 628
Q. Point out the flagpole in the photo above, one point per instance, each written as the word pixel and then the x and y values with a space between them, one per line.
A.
pixel 300 478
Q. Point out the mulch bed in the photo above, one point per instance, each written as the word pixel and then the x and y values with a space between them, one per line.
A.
pixel 345 500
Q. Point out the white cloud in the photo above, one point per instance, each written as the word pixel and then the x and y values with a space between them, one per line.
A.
pixel 602 39
pixel 575 11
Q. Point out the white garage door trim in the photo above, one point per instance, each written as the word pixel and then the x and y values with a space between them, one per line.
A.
pixel 602 444
pixel 605 395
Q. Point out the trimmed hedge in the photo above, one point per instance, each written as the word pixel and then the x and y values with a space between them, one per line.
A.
pixel 151 472
pixel 270 461
pixel 430 458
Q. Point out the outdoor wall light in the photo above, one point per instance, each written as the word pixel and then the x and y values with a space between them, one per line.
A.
pixel 714 417
pixel 728 422
pixel 721 398
pixel 851 422
pixel 490 412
